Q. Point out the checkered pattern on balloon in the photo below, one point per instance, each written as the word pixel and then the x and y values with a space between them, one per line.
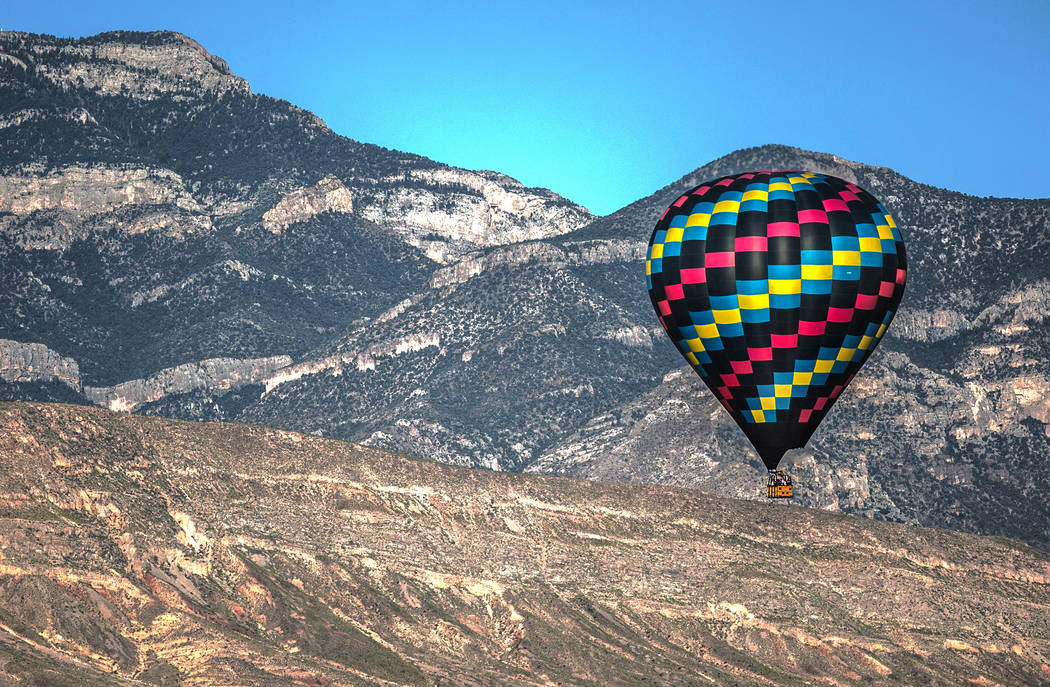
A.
pixel 776 286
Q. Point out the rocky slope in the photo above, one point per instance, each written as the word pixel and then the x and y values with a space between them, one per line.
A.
pixel 148 551
pixel 174 244
pixel 154 212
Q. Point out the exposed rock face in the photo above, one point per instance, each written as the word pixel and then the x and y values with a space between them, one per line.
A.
pixel 327 195
pixel 215 376
pixel 142 550
pixel 146 66
pixel 449 212
pixel 21 362
pixel 92 191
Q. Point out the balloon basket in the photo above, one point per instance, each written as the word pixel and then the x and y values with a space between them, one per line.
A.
pixel 779 485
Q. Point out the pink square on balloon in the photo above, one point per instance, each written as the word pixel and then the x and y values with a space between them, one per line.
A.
pixel 750 243
pixel 804 415
pixel 674 292
pixel 901 276
pixel 720 260
pixel 758 354
pixel 835 204
pixel 741 367
pixel 866 301
pixel 886 289
pixel 782 229
pixel 811 328
pixel 821 402
pixel 817 216
pixel 693 275
pixel 785 340
pixel 840 314
pixel 730 380
pixel 665 307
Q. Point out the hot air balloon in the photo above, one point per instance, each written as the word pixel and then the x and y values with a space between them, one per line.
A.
pixel 776 286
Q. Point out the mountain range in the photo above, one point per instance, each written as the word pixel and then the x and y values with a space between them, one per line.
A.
pixel 174 244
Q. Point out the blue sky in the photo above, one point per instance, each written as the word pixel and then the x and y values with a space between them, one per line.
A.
pixel 607 102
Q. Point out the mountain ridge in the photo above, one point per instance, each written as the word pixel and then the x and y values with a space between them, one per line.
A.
pixel 457 315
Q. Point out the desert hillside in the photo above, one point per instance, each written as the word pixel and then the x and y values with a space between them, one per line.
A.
pixel 140 550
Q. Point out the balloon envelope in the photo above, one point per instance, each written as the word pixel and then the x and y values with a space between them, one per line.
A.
pixel 776 286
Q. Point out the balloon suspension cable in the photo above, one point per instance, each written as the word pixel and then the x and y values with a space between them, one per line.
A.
pixel 779 485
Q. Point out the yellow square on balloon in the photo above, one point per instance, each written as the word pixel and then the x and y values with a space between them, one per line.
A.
pixel 698 219
pixel 823 366
pixel 726 316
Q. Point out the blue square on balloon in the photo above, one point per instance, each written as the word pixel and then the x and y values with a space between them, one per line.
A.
pixel 785 271
pixel 724 302
pixel 845 243
pixel 674 249
pixel 656 265
pixel 870 259
pixel 660 237
pixel 752 287
pixel 713 344
pixel 732 329
pixel 785 301
pixel 758 316
pixel 765 390
pixel 845 272
pixel 702 317
pixel 816 286
pixel 754 403
pixel 783 402
pixel 678 222
pixel 695 233
pixel 724 219
pixel 816 257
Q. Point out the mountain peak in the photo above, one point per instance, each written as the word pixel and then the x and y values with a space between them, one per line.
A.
pixel 143 65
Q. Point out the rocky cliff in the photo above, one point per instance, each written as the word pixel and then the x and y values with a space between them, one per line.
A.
pixel 147 551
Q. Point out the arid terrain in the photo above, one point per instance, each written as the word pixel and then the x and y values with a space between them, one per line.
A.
pixel 141 550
